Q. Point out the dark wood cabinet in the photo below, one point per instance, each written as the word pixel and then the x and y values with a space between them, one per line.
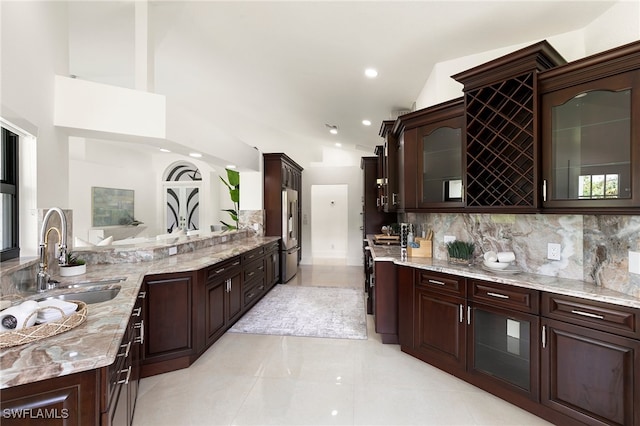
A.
pixel 272 264
pixel 501 103
pixel 70 400
pixel 373 218
pixel 591 376
pixel 170 336
pixel 433 149
pixel 591 360
pixel 406 285
pixel 223 298
pixel 388 170
pixel 585 103
pixel 281 172
pixel 385 302
pixel 439 327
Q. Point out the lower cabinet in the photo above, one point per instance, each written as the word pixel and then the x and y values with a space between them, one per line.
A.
pixel 70 400
pixel 439 328
pixel 272 264
pixel 170 337
pixel 588 374
pixel 223 298
pixel 569 360
pixel 385 300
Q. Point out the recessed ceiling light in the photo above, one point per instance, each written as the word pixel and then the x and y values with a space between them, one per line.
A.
pixel 338 144
pixel 164 150
pixel 195 155
pixel 371 73
pixel 230 166
pixel 366 122
pixel 333 131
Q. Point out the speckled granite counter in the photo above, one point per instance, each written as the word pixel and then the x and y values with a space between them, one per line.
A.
pixel 539 282
pixel 96 342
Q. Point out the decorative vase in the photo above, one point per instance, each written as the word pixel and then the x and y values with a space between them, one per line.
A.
pixel 72 270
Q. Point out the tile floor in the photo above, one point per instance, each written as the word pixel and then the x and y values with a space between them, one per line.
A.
pixel 276 380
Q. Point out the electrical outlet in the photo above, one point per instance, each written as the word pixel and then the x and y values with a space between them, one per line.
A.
pixel 449 239
pixel 554 251
pixel 173 251
pixel 634 262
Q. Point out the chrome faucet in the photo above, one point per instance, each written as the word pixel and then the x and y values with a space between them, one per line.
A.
pixel 43 279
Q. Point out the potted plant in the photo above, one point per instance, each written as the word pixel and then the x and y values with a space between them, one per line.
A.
pixel 74 266
pixel 233 184
pixel 460 252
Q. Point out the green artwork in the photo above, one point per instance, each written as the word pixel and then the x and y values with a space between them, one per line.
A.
pixel 111 206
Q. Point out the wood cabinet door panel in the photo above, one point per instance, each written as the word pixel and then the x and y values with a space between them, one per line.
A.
pixel 169 314
pixel 439 328
pixel 235 294
pixel 215 310
pixel 590 375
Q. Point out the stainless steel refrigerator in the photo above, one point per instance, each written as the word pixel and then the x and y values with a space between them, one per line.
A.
pixel 290 234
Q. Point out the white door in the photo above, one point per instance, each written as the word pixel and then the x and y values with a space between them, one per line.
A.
pixel 182 207
pixel 329 227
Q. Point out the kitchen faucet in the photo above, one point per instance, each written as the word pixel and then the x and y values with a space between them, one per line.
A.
pixel 43 279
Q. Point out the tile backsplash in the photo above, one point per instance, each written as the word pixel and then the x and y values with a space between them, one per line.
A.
pixel 594 247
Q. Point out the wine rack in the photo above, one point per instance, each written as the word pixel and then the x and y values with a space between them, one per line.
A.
pixel 500 144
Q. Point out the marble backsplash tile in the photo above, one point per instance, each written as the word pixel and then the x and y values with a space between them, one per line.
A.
pixel 594 247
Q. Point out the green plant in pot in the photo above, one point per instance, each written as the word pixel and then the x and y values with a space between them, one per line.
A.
pixel 233 184
pixel 460 252
pixel 74 266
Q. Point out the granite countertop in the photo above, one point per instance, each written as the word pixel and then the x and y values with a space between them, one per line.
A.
pixel 564 286
pixel 96 342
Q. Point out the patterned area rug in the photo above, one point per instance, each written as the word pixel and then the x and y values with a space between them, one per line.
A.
pixel 307 311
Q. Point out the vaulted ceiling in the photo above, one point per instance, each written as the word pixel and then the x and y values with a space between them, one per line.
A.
pixel 273 73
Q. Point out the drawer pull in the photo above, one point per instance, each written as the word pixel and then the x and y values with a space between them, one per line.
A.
pixel 498 295
pixel 140 339
pixel 219 270
pixel 126 380
pixel 236 263
pixel 587 314
pixel 126 352
pixel 436 282
pixel 137 312
pixel 251 273
pixel 142 295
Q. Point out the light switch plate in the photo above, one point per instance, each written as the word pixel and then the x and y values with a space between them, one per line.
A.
pixel 634 262
pixel 449 239
pixel 173 250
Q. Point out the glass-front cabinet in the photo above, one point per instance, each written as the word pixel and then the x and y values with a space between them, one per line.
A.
pixel 591 139
pixel 433 157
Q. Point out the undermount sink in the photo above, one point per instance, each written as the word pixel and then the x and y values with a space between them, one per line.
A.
pixel 90 296
pixel 91 283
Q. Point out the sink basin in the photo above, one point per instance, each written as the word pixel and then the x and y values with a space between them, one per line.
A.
pixel 88 297
pixel 91 283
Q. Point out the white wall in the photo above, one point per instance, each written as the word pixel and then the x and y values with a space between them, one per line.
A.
pixel 326 173
pixel 34 49
pixel 624 17
pixel 329 222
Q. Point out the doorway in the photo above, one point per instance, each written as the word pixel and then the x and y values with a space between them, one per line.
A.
pixel 329 227
pixel 182 182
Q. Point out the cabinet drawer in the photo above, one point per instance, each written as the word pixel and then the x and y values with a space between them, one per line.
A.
pixel 602 316
pixel 274 246
pixel 441 283
pixel 253 293
pixel 252 255
pixel 222 268
pixel 506 296
pixel 254 270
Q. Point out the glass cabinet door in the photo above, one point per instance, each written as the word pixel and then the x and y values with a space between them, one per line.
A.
pixel 440 165
pixel 589 144
pixel 504 348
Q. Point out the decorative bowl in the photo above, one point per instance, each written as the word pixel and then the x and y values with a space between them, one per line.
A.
pixel 496 265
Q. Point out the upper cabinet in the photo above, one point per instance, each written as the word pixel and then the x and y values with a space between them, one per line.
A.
pixel 501 102
pixel 590 132
pixel 388 154
pixel 433 145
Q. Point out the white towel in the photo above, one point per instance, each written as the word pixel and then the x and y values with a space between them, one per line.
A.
pixel 48 315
